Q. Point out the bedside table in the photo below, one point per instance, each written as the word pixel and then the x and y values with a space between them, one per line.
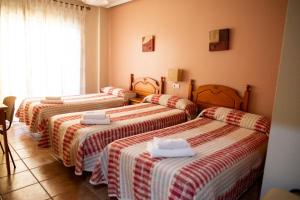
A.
pixel 133 101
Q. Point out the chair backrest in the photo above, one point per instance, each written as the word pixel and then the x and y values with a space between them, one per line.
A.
pixel 10 103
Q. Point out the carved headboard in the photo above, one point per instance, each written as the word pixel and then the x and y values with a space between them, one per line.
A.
pixel 219 95
pixel 145 86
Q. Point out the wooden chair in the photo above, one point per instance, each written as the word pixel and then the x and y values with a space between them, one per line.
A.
pixel 10 103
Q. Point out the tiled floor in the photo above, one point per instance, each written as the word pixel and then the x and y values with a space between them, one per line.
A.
pixel 40 176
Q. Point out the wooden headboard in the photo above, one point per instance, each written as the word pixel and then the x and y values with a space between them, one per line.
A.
pixel 219 95
pixel 145 86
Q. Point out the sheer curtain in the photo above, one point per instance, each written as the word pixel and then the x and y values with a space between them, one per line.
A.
pixel 41 48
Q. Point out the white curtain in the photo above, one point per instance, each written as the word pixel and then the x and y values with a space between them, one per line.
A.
pixel 41 48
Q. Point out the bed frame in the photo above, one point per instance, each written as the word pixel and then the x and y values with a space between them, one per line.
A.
pixel 145 86
pixel 218 95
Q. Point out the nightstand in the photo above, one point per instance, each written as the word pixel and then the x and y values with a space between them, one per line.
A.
pixel 133 101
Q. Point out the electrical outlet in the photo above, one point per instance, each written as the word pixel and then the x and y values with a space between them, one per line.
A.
pixel 175 85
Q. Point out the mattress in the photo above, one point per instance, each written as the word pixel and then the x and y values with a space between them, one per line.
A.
pixel 36 114
pixel 228 160
pixel 80 145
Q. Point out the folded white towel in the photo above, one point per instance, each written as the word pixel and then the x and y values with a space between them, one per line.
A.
pixel 170 143
pixel 95 121
pixel 52 101
pixel 52 98
pixel 94 115
pixel 155 152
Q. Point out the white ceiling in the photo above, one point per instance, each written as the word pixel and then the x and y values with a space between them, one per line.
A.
pixel 105 3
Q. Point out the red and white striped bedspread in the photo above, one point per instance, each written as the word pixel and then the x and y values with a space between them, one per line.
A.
pixel 36 114
pixel 228 160
pixel 81 145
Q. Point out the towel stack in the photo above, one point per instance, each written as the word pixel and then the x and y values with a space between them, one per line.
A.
pixel 95 117
pixel 159 147
pixel 52 100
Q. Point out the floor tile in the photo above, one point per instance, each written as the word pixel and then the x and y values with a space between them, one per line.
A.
pixel 18 128
pixel 29 152
pixel 26 143
pixel 16 181
pixel 50 170
pixel 31 192
pixel 81 193
pixel 63 183
pixel 98 190
pixel 12 138
pixel 20 166
pixel 39 160
pixel 13 153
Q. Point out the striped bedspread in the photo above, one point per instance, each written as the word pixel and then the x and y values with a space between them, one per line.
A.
pixel 81 145
pixel 228 160
pixel 36 114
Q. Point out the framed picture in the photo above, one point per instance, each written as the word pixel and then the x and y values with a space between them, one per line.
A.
pixel 148 43
pixel 219 40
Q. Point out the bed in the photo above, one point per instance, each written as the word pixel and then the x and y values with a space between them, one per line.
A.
pixel 36 114
pixel 230 147
pixel 30 109
pixel 80 145
pixel 32 112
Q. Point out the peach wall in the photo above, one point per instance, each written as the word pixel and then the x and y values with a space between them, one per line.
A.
pixel 96 49
pixel 181 30
pixel 92 49
pixel 104 41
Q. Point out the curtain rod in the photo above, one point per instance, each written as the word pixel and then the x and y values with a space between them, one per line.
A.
pixel 81 6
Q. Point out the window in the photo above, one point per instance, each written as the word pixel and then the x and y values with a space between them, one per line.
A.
pixel 41 48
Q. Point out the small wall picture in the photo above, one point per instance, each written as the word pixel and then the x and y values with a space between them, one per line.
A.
pixel 219 40
pixel 148 43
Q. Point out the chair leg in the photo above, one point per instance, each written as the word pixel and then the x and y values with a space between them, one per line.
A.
pixel 9 154
pixel 12 158
pixel 1 147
